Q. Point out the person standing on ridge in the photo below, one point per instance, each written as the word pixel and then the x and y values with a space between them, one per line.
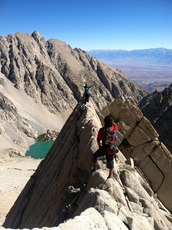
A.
pixel 86 94
pixel 106 141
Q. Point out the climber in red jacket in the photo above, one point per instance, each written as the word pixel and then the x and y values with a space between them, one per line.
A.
pixel 106 141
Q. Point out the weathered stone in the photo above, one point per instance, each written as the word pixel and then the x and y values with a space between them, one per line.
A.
pixel 63 187
pixel 99 199
pixel 1 129
pixel 115 190
pixel 114 108
pixel 97 179
pixel 138 154
pixel 113 222
pixel 139 222
pixel 157 108
pixel 150 146
pixel 133 197
pixel 136 207
pixel 130 115
pixel 138 137
pixel 129 179
pixel 147 127
pixel 160 221
pixel 90 219
pixel 149 154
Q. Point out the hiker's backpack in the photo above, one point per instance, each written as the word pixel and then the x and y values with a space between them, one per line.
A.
pixel 110 135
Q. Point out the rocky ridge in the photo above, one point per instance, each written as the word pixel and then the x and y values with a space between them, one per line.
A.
pixel 53 71
pixel 157 107
pixel 63 193
pixel 41 82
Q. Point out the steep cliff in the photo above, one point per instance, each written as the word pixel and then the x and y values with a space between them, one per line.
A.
pixel 63 186
pixel 157 107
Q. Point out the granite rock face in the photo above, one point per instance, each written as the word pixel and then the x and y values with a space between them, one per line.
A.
pixel 64 193
pixel 139 140
pixel 157 107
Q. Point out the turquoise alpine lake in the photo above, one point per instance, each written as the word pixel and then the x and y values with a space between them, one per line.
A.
pixel 40 149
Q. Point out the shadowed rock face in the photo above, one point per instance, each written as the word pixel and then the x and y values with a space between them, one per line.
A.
pixel 157 107
pixel 63 186
pixel 67 165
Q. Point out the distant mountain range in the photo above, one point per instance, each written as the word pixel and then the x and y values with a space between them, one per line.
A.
pixel 159 56
pixel 150 68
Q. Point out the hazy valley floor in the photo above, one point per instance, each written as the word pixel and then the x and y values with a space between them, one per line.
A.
pixel 150 77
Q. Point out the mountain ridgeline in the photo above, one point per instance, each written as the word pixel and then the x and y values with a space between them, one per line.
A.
pixel 150 68
pixel 53 71
pixel 158 56
pixel 41 80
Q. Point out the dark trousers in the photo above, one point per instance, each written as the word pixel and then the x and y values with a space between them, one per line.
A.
pixel 86 97
pixel 109 157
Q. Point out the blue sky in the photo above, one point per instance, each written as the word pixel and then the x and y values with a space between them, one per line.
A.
pixel 92 24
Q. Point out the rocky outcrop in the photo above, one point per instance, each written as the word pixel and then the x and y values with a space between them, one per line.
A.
pixel 139 140
pixel 64 192
pixel 157 107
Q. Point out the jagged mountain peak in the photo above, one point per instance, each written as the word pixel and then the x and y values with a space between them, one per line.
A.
pixel 36 34
pixel 38 37
pixel 50 73
pixel 63 188
pixel 62 62
pixel 157 107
